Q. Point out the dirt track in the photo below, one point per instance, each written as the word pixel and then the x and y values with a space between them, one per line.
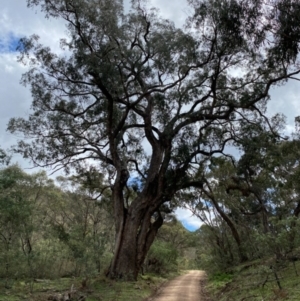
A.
pixel 183 288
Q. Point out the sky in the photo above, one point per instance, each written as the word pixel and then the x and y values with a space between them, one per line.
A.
pixel 16 21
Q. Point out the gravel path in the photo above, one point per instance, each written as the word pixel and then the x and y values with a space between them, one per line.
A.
pixel 183 288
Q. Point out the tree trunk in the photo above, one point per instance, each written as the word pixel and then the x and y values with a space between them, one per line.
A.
pixel 138 223
pixel 232 227
pixel 133 241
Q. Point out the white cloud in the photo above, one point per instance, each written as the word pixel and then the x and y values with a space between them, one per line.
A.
pixel 17 21
pixel 187 218
pixel 177 11
pixel 285 99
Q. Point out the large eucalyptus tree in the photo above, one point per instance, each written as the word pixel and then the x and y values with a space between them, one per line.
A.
pixel 137 97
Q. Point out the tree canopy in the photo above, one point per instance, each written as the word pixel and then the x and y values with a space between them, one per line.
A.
pixel 136 97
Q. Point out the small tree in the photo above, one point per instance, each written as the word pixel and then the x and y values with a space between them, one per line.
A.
pixel 138 97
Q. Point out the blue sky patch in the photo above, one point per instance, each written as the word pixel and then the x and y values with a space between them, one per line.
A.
pixel 9 43
pixel 189 227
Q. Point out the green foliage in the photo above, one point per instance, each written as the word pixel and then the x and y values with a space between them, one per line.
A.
pixel 218 280
pixel 174 249
pixel 4 158
pixel 162 258
pixel 259 196
pixel 256 281
pixel 48 232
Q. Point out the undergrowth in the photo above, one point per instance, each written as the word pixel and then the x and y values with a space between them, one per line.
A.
pixel 98 288
pixel 257 282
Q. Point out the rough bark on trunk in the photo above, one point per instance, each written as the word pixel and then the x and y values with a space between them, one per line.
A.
pixel 133 242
